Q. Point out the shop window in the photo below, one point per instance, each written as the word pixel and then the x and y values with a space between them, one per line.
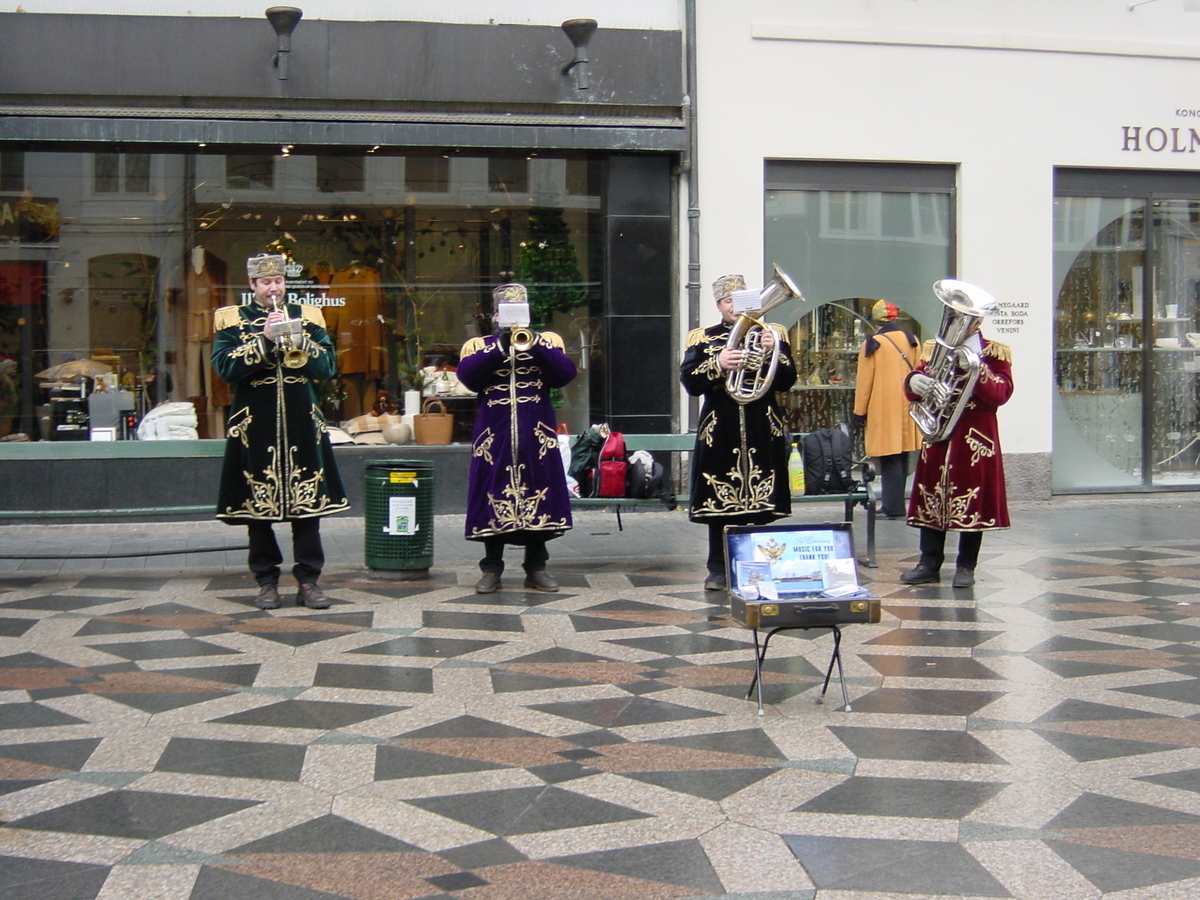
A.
pixel 851 235
pixel 250 171
pixel 12 171
pixel 121 173
pixel 427 174
pixel 340 174
pixel 508 175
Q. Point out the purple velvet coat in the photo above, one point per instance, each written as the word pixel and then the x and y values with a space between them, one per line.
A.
pixel 517 483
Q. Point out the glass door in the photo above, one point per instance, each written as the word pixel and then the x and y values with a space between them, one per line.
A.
pixel 1126 330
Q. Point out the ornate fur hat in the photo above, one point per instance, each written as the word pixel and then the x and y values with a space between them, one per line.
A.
pixel 265 265
pixel 510 293
pixel 726 285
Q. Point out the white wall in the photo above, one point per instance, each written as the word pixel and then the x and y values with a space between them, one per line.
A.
pixel 653 14
pixel 973 83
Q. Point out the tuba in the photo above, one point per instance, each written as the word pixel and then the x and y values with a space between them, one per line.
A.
pixel 289 335
pixel 953 365
pixel 753 378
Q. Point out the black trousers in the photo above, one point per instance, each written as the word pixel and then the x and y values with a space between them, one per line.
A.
pixel 536 554
pixel 893 473
pixel 307 552
pixel 716 540
pixel 933 548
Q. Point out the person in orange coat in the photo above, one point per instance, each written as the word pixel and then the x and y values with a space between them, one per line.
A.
pixel 880 404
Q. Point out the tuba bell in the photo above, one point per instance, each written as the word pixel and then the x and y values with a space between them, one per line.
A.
pixel 953 365
pixel 753 378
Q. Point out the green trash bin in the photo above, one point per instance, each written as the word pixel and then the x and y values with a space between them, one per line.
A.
pixel 399 515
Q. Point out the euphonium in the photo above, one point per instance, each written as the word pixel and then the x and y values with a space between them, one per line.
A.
pixel 953 365
pixel 753 378
pixel 289 334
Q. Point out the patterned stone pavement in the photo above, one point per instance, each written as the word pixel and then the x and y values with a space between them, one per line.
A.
pixel 1036 737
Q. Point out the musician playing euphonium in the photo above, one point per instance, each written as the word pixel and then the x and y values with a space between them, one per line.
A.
pixel 958 484
pixel 279 464
pixel 739 468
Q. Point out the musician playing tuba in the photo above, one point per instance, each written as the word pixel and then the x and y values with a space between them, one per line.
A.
pixel 958 484
pixel 739 469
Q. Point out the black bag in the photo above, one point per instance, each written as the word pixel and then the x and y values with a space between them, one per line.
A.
pixel 648 479
pixel 828 457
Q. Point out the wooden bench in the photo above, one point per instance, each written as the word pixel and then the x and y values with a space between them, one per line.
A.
pixel 863 496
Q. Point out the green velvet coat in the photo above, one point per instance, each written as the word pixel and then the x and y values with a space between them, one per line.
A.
pixel 279 463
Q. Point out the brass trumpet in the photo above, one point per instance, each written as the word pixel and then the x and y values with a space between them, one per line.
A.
pixel 752 379
pixel 289 335
pixel 521 339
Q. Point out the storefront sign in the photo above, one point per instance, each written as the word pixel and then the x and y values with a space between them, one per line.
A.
pixel 303 291
pixel 1156 139
pixel 1009 318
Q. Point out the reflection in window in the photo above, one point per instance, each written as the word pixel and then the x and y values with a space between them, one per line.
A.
pixel 12 171
pixel 508 174
pixel 427 174
pixel 250 171
pixel 340 174
pixel 117 173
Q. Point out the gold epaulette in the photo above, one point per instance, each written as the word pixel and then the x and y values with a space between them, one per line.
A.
pixel 225 317
pixel 927 350
pixel 695 336
pixel 553 339
pixel 312 314
pixel 474 345
pixel 1002 352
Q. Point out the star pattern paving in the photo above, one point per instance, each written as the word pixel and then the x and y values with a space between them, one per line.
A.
pixel 1036 737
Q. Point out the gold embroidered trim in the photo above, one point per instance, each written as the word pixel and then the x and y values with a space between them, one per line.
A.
pixel 999 351
pixel 474 345
pixel 312 314
pixel 483 446
pixel 744 488
pixel 694 337
pixel 225 316
pixel 551 339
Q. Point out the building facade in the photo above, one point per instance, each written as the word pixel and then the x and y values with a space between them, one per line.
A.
pixel 405 167
pixel 1048 153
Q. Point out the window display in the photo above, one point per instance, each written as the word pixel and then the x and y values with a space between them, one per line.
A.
pixel 113 263
pixel 1126 370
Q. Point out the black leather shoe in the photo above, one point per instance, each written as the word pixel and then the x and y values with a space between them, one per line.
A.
pixel 963 577
pixel 268 597
pixel 921 574
pixel 312 596
pixel 488 583
pixel 540 581
pixel 715 581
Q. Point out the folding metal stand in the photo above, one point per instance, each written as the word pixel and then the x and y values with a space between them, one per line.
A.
pixel 835 658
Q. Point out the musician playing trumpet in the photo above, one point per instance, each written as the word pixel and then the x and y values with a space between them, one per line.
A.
pixel 517 485
pixel 958 484
pixel 279 464
pixel 739 468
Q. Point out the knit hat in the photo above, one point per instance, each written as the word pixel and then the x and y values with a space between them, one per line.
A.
pixel 884 311
pixel 266 265
pixel 726 285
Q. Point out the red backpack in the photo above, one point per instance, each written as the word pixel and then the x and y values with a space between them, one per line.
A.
pixel 613 467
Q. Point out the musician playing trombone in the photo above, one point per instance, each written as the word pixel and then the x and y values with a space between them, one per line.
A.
pixel 279 464
pixel 739 468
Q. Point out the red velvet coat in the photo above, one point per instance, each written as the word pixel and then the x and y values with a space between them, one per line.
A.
pixel 958 484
